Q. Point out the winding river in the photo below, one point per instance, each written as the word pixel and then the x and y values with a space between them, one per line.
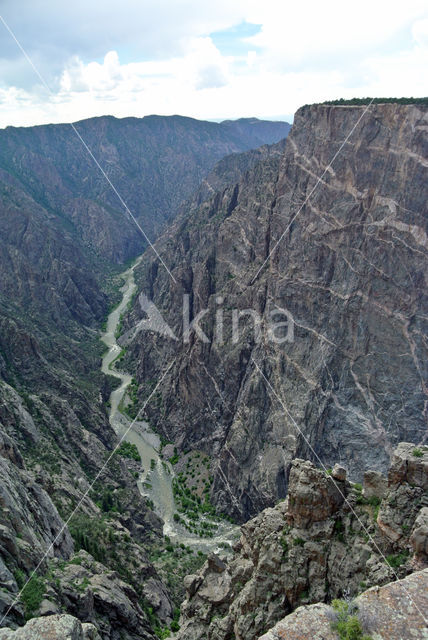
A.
pixel 156 475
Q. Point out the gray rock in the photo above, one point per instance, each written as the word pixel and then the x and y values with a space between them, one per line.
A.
pixel 374 484
pixel 47 608
pixel 338 473
pixel 394 611
pixel 419 537
pixel 57 627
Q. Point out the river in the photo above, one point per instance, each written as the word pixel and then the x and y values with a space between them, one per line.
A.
pixel 156 475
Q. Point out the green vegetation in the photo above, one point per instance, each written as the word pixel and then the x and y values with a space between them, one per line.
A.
pixel 347 625
pixel 298 542
pixel 91 534
pixel 129 305
pixel 173 563
pixel 175 458
pixel 191 488
pixel 364 101
pixel 118 358
pixel 418 453
pixel 32 593
pixel 284 544
pixel 396 560
pixel 339 530
pixel 373 501
pixel 128 450
pixel 131 408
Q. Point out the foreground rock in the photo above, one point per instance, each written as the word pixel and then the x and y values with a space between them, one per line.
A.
pixel 58 627
pixel 392 612
pixel 325 541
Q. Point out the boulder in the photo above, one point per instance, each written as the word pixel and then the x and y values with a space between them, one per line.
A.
pixel 312 495
pixel 306 623
pixel 374 485
pixel 394 611
pixel 409 464
pixel 56 627
pixel 419 537
pixel 339 473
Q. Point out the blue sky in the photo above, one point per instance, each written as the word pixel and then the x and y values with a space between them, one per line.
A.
pixel 215 61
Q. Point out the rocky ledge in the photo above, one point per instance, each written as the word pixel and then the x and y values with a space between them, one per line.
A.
pixel 329 539
pixel 394 611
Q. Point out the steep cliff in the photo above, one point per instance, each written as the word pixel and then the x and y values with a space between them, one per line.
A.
pixel 349 266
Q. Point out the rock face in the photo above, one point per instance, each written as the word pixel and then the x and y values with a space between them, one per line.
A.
pixel 349 266
pixel 394 611
pixel 324 541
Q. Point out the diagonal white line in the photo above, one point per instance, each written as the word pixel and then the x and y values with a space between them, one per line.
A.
pixel 121 200
pixel 334 482
pixel 76 508
pixel 318 181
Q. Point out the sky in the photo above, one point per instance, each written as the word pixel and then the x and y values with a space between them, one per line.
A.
pixel 208 60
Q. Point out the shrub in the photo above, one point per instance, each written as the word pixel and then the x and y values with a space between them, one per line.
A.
pixel 298 542
pixel 398 559
pixel 89 534
pixel 346 623
pixel 418 453
pixel 32 595
pixel 129 450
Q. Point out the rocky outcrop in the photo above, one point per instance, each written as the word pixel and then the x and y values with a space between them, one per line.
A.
pixel 114 593
pixel 324 541
pixel 31 530
pixel 57 627
pixel 407 494
pixel 348 265
pixel 90 591
pixel 394 611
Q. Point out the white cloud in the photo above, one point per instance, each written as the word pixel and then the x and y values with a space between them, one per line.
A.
pixel 420 32
pixel 303 53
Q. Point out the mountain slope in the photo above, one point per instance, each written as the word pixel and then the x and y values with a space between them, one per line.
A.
pixel 351 271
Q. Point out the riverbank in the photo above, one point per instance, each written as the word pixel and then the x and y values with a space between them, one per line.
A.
pixel 156 477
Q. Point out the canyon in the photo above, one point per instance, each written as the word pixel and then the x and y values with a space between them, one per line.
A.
pixel 131 452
